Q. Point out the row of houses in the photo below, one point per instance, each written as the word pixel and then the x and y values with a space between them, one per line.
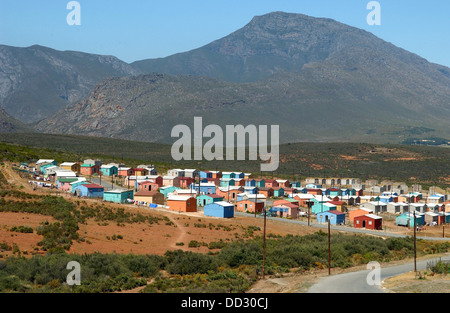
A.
pixel 187 190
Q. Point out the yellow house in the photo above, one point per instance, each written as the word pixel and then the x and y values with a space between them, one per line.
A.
pixel 71 166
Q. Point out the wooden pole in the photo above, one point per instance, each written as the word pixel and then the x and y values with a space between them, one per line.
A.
pixel 415 253
pixel 264 244
pixel 329 248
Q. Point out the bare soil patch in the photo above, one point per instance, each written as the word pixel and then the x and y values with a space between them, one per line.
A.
pixel 420 283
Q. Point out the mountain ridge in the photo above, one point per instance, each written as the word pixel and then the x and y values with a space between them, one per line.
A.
pixel 319 79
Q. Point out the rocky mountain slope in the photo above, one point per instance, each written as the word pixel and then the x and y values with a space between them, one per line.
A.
pixel 318 79
pixel 35 82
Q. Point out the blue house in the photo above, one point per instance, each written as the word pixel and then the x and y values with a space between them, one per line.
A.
pixel 335 217
pixel 205 174
pixel 386 199
pixel 89 191
pixel 219 209
pixel 207 188
pixel 251 190
pixel 118 196
pixel 250 183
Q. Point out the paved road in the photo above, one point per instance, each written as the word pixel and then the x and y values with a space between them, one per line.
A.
pixel 356 282
pixel 106 183
pixel 348 229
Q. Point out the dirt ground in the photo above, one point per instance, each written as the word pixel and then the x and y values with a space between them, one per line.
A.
pixel 158 238
pixel 418 283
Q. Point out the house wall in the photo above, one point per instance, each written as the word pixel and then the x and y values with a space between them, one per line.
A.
pixel 216 210
pixel 370 223
pixel 182 206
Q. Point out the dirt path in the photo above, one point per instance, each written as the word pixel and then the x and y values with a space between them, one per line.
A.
pixel 14 178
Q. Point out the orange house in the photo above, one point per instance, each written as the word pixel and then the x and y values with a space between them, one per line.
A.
pixel 250 205
pixel 268 192
pixel 271 183
pixel 358 212
pixel 182 204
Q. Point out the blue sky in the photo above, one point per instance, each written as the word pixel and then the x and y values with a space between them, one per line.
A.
pixel 138 29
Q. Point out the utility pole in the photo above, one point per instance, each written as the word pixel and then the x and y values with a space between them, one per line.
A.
pixel 329 247
pixel 264 243
pixel 415 251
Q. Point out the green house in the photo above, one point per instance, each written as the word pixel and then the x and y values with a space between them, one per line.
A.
pixel 168 189
pixel 320 205
pixel 206 199
pixel 261 183
pixel 45 167
pixel 109 170
pixel 278 192
pixel 117 196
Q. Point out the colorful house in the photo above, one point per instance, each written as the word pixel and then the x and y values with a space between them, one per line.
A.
pixel 183 182
pixel 407 219
pixel 340 205
pixel 333 192
pixel 204 188
pixel 335 217
pixel 148 196
pixel 124 171
pixel 320 204
pixel 148 186
pixel 138 172
pixel 358 212
pixel 225 182
pixel 287 210
pixel 80 181
pixel 283 183
pixel 89 191
pixel 63 183
pixel 109 170
pixel 219 209
pixel 369 221
pixel 250 205
pixel 182 204
pixel 89 169
pixel 117 196
pixel 267 192
pixel 206 199
pixel 205 174
pixel 70 166
pixel 261 183
pixel 167 189
pixel 278 192
pixel 271 183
